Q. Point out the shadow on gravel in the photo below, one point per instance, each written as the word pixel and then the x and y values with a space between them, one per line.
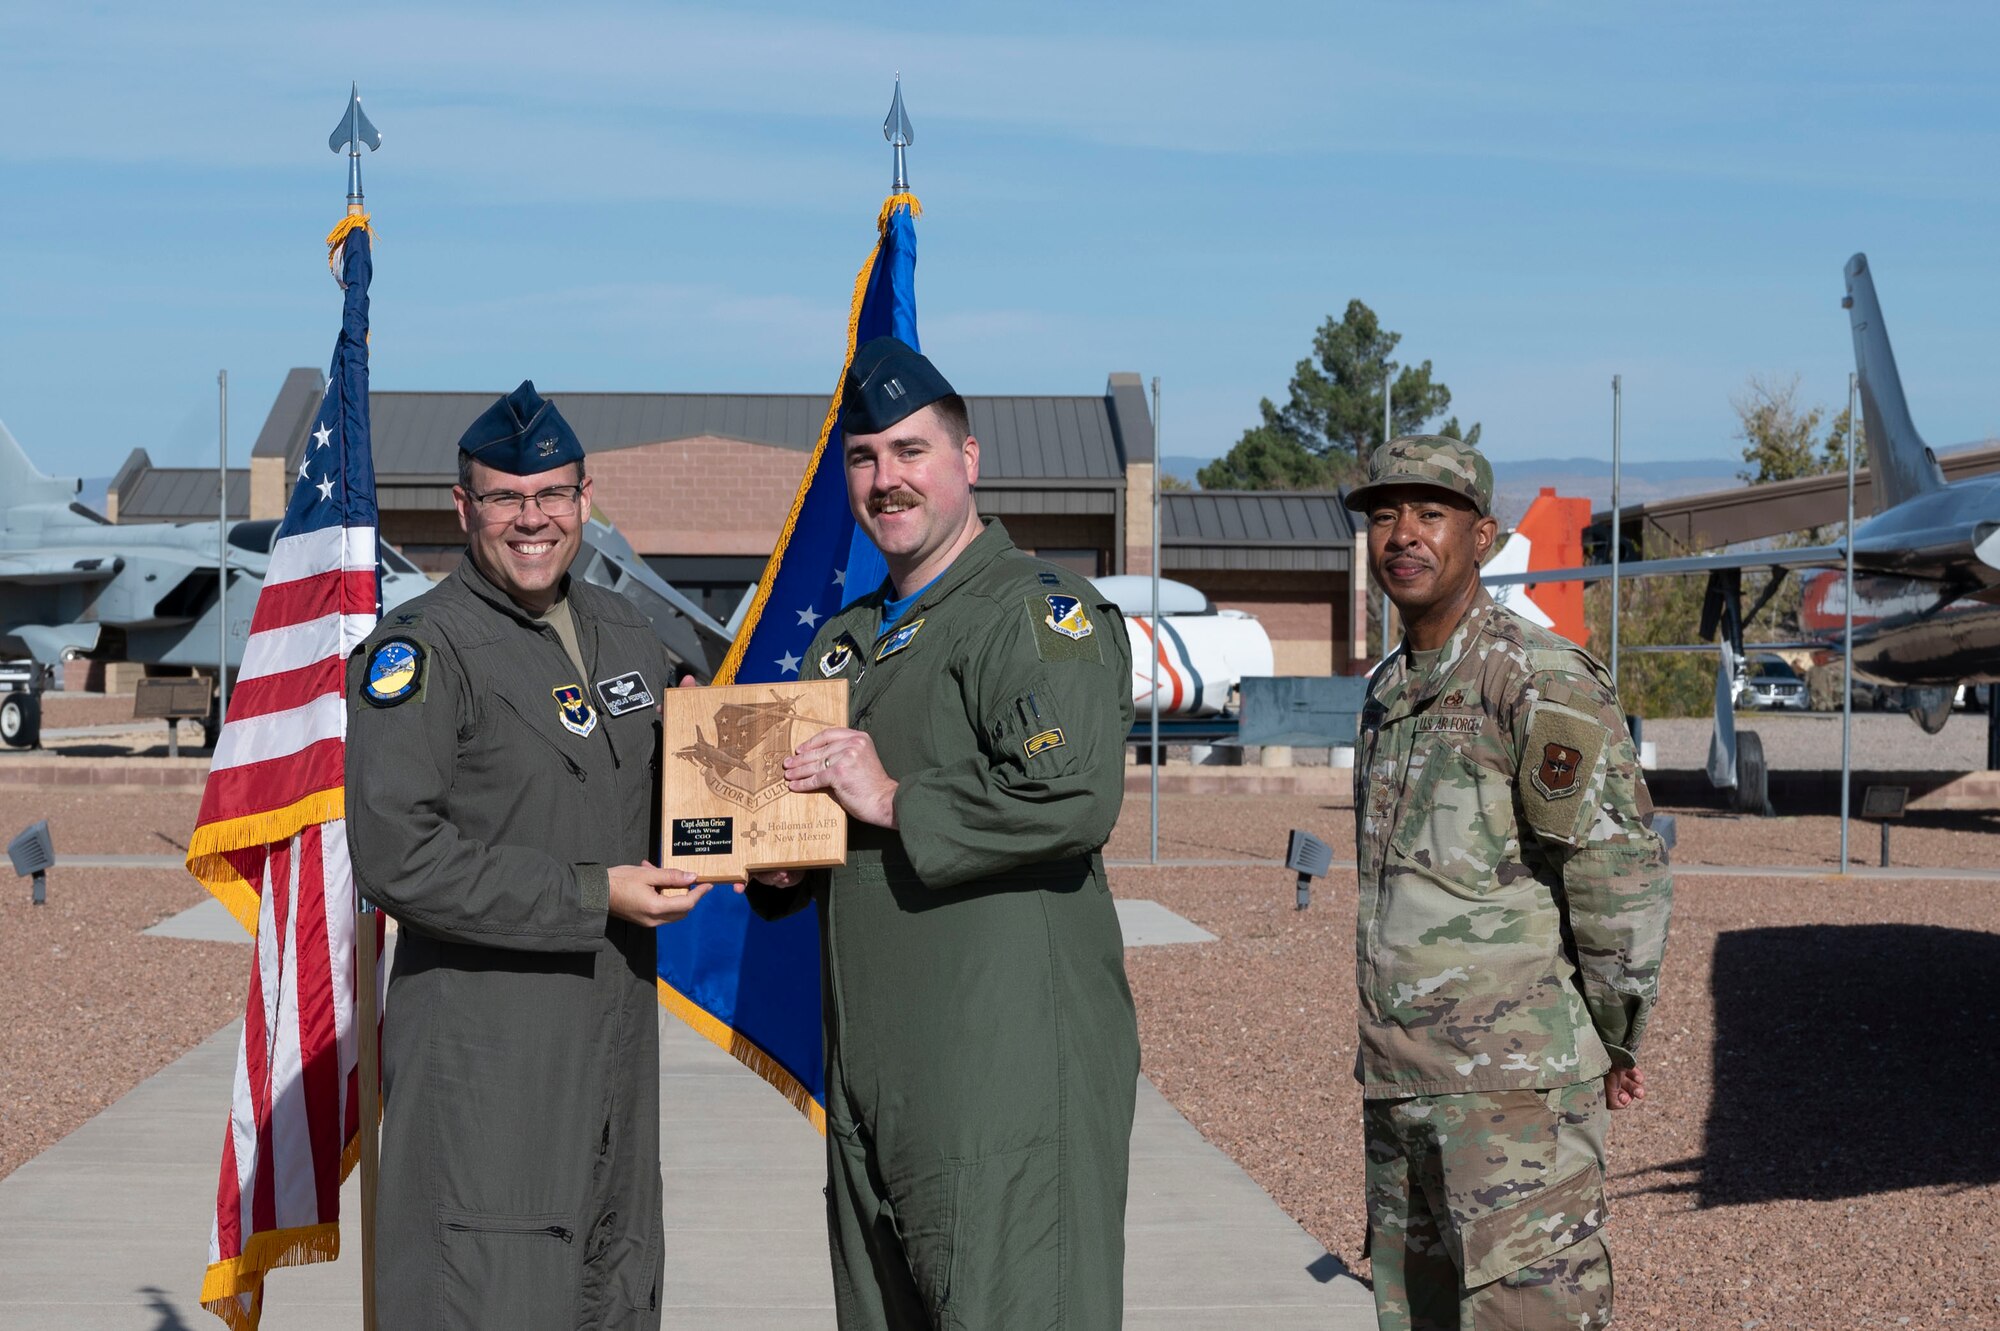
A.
pixel 1850 1060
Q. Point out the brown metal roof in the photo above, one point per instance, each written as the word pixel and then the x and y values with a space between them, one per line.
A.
pixel 181 494
pixel 1723 518
pixel 1055 438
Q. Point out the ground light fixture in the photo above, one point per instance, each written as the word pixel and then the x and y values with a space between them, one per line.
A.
pixel 1310 858
pixel 33 852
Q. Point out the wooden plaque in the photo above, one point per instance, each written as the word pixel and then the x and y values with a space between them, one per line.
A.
pixel 724 806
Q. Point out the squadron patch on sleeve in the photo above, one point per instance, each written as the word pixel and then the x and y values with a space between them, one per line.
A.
pixel 1558 771
pixel 395 672
pixel 1063 631
pixel 1066 616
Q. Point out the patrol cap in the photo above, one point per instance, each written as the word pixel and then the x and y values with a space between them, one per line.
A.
pixel 1427 459
pixel 887 381
pixel 522 434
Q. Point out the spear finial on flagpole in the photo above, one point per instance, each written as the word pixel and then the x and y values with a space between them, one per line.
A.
pixel 897 130
pixel 351 133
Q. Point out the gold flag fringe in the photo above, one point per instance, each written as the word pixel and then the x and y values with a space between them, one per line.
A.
pixel 207 857
pixel 743 1051
pixel 223 1288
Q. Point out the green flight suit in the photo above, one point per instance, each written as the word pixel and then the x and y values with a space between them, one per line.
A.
pixel 520 1180
pixel 981 1047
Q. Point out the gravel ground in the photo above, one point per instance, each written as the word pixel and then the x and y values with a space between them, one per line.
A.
pixel 1806 1157
pixel 1810 741
pixel 1195 827
pixel 85 820
pixel 90 1007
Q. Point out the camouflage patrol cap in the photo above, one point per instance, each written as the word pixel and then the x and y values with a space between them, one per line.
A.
pixel 1427 459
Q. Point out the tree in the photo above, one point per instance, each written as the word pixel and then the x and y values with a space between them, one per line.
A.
pixel 1267 458
pixel 1781 438
pixel 1333 415
pixel 1170 482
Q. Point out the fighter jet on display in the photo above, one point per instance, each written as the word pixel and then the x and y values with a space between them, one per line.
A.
pixel 74 586
pixel 1927 564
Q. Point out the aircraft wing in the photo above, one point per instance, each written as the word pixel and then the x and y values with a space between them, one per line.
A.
pixel 36 569
pixel 1810 556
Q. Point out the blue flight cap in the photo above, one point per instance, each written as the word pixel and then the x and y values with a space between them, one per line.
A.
pixel 522 434
pixel 887 381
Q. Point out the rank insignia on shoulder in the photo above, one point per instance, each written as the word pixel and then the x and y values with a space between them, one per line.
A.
pixel 574 710
pixel 1049 579
pixel 837 658
pixel 898 640
pixel 395 672
pixel 1042 743
pixel 1066 616
pixel 624 693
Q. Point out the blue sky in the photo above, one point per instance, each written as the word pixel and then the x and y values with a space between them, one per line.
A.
pixel 655 197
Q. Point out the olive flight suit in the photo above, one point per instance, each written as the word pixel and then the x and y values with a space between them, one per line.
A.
pixel 488 790
pixel 981 1047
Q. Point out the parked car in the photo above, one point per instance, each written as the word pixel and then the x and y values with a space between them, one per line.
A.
pixel 1768 682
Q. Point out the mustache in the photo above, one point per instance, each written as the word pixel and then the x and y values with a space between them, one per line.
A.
pixel 900 498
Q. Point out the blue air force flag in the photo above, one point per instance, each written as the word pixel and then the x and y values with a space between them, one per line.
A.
pixel 752 985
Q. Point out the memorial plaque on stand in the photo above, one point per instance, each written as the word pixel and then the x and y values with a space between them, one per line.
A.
pixel 724 806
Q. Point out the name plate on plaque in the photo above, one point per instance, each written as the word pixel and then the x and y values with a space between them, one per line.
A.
pixel 724 806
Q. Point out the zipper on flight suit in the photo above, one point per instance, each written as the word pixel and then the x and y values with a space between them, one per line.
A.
pixel 575 768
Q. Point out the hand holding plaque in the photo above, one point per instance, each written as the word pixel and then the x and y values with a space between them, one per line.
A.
pixel 725 809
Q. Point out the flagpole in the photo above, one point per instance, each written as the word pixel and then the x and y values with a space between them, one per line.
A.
pixel 353 131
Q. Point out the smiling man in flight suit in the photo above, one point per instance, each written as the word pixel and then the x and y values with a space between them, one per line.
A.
pixel 1512 922
pixel 981 1049
pixel 502 760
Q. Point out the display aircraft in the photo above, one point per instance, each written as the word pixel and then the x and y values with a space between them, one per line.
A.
pixel 1926 564
pixel 74 586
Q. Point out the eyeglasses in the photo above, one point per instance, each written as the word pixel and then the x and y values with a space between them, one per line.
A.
pixel 558 501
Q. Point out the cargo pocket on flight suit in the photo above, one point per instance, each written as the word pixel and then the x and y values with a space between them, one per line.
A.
pixel 1005 1265
pixel 505 1270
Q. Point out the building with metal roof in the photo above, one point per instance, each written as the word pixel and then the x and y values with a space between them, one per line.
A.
pixel 1070 475
pixel 141 492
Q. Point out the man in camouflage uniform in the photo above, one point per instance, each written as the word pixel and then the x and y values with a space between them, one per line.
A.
pixel 1512 921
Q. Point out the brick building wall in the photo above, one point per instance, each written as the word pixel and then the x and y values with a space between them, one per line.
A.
pixel 1301 612
pixel 700 496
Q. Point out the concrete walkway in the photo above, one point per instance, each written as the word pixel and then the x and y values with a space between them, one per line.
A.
pixel 109 1228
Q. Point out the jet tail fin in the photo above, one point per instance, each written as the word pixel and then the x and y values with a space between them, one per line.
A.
pixel 22 484
pixel 1549 536
pixel 1899 462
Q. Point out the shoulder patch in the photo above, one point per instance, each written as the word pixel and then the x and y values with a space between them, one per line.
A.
pixel 394 673
pixel 1558 771
pixel 1063 628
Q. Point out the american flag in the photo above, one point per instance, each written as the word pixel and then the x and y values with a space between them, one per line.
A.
pixel 271 844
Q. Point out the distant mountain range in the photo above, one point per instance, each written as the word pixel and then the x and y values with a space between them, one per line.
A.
pixel 1516 483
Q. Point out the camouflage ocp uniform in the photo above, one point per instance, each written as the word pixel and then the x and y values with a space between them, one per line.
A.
pixel 1513 917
